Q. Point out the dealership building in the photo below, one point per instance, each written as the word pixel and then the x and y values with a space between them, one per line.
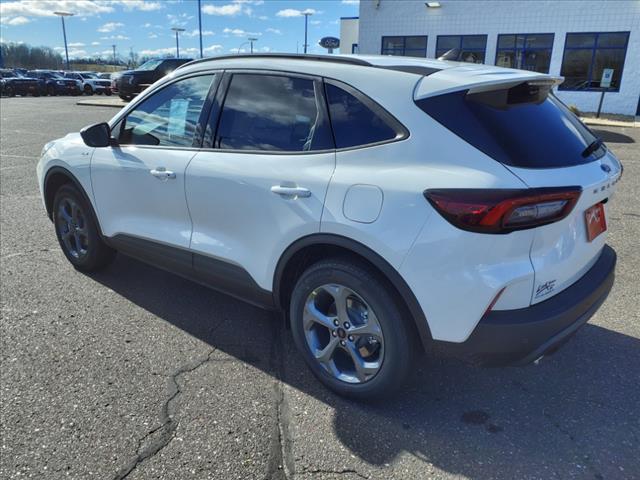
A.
pixel 594 45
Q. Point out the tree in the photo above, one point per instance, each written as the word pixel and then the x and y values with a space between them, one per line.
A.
pixel 20 55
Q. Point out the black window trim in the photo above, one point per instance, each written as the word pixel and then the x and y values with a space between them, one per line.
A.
pixel 402 133
pixel 515 48
pixel 593 49
pixel 218 104
pixel 117 122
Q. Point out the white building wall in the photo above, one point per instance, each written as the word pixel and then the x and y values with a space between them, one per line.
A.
pixel 380 18
pixel 348 33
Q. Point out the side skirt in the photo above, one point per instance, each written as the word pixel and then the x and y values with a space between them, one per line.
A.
pixel 213 273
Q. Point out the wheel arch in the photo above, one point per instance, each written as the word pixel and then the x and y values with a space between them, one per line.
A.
pixel 307 250
pixel 55 178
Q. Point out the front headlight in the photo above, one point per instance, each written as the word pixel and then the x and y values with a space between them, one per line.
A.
pixel 60 82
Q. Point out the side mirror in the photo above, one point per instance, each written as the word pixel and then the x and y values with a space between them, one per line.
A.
pixel 98 135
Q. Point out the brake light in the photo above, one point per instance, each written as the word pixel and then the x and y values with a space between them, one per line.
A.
pixel 503 210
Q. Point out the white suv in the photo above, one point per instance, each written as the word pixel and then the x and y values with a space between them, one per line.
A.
pixel 383 203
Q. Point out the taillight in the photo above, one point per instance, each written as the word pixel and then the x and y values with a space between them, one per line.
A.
pixel 503 210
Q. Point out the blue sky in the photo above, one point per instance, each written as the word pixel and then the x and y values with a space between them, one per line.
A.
pixel 145 25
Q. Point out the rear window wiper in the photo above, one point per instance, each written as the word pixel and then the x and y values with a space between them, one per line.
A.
pixel 592 147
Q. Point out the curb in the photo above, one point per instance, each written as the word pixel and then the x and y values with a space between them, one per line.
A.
pixel 609 123
pixel 113 103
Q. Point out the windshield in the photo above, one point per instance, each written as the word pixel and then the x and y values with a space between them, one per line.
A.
pixel 150 65
pixel 88 75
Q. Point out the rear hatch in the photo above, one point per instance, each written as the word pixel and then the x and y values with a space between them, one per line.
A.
pixel 514 118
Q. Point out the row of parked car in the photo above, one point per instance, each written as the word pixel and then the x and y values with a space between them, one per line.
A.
pixel 126 84
pixel 53 82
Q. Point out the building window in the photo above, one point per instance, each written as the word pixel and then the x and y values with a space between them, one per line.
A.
pixel 587 55
pixel 415 46
pixel 463 48
pixel 354 48
pixel 526 51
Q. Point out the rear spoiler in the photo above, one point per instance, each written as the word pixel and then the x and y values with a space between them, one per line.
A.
pixel 476 79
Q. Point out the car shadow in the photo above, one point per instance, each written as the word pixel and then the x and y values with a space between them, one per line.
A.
pixel 608 136
pixel 574 414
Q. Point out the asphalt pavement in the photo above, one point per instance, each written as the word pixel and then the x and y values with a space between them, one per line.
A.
pixel 136 373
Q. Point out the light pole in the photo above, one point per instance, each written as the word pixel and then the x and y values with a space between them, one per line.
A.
pixel 64 33
pixel 114 53
pixel 177 30
pixel 306 21
pixel 252 39
pixel 200 27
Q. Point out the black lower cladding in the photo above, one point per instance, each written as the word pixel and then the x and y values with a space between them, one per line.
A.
pixel 214 273
pixel 519 337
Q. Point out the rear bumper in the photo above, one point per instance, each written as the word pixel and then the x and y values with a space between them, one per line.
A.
pixel 519 337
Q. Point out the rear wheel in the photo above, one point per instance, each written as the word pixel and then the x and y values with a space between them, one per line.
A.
pixel 350 329
pixel 88 90
pixel 9 91
pixel 51 91
pixel 77 231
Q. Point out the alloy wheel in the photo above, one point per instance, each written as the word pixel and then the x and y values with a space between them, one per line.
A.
pixel 71 222
pixel 343 333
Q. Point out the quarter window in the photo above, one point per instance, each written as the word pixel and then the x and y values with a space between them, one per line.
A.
pixel 168 117
pixel 272 113
pixel 463 48
pixel 525 51
pixel 356 123
pixel 587 55
pixel 414 46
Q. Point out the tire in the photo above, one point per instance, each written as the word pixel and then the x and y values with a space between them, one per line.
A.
pixel 381 332
pixel 88 90
pixel 107 93
pixel 9 91
pixel 77 231
pixel 51 91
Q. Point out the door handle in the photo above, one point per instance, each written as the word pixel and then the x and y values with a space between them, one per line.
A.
pixel 291 192
pixel 162 173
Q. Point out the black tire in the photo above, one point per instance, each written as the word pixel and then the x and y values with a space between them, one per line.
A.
pixel 9 91
pixel 51 91
pixel 107 93
pixel 92 254
pixel 374 290
pixel 88 90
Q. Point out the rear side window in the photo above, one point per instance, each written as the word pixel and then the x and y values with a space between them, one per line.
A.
pixel 273 113
pixel 541 133
pixel 358 122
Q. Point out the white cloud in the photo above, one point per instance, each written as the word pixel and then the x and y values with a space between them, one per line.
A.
pixel 45 8
pixel 20 20
pixel 263 17
pixel 194 33
pixel 292 12
pixel 238 32
pixel 153 35
pixel 142 5
pixel 76 44
pixel 237 50
pixel 169 51
pixel 110 27
pixel 115 37
pixel 179 20
pixel 95 43
pixel 315 22
pixel 351 2
pixel 229 10
pixel 147 25
pixel 212 49
pixel 274 30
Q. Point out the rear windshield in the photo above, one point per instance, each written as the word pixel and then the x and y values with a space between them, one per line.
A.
pixel 539 134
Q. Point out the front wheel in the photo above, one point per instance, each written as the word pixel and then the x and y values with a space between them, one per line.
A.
pixel 88 90
pixel 350 329
pixel 77 231
pixel 51 91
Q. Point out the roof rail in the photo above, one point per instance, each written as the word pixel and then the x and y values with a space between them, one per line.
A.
pixel 292 56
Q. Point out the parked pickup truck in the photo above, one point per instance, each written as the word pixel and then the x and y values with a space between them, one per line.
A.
pixel 132 82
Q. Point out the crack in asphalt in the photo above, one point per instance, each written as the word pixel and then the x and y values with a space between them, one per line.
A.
pixel 321 471
pixel 168 424
pixel 281 464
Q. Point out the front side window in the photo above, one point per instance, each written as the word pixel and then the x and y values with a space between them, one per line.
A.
pixel 525 51
pixel 462 48
pixel 168 117
pixel 413 46
pixel 149 65
pixel 357 124
pixel 272 113
pixel 588 55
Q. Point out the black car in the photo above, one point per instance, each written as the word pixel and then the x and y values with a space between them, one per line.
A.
pixel 133 82
pixel 51 83
pixel 12 83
